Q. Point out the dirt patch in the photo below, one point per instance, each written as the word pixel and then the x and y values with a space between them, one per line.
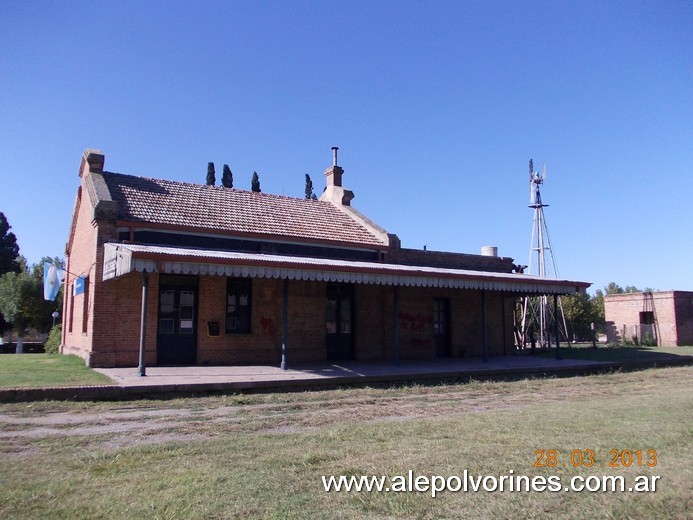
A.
pixel 103 426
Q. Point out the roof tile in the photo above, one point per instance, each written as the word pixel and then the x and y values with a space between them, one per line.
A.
pixel 174 203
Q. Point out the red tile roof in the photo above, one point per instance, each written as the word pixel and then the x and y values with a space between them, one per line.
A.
pixel 173 203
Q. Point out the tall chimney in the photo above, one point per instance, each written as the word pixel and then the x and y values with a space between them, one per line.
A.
pixel 336 195
pixel 333 175
pixel 334 192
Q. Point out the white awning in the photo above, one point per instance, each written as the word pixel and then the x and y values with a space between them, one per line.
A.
pixel 120 259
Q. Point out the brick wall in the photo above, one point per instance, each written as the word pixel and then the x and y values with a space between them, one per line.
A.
pixel 450 260
pixel 116 339
pixel 467 340
pixel 373 329
pixel 116 333
pixel 85 258
pixel 263 344
pixel 673 312
pixel 415 318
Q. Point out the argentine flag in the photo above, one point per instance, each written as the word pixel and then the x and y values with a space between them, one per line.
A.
pixel 53 276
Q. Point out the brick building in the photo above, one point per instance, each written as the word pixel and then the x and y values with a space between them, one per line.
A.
pixel 192 274
pixel 663 317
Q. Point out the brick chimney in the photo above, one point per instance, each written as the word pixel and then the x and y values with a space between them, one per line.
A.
pixel 92 161
pixel 334 192
pixel 333 175
pixel 94 185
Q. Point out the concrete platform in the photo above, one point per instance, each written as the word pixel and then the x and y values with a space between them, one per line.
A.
pixel 338 373
pixel 187 380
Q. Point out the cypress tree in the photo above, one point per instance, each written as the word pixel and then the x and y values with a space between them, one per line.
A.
pixel 255 183
pixel 309 188
pixel 9 258
pixel 227 177
pixel 9 250
pixel 211 176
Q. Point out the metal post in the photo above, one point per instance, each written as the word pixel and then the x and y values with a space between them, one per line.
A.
pixel 395 324
pixel 594 335
pixel 505 331
pixel 483 325
pixel 285 320
pixel 141 369
pixel 558 337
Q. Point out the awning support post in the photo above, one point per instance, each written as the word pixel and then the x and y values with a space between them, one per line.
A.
pixel 285 320
pixel 395 322
pixel 483 325
pixel 558 337
pixel 141 369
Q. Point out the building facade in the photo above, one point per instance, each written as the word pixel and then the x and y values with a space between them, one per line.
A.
pixel 663 318
pixel 163 272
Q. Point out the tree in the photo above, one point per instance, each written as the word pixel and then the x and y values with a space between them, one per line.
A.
pixel 16 299
pixel 21 300
pixel 227 177
pixel 211 175
pixel 9 256
pixel 613 288
pixel 255 183
pixel 598 308
pixel 52 344
pixel 579 315
pixel 9 250
pixel 309 188
pixel 4 326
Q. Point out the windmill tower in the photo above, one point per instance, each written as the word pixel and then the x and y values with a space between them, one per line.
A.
pixel 538 315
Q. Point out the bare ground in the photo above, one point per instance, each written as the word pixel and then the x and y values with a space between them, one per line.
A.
pixel 114 425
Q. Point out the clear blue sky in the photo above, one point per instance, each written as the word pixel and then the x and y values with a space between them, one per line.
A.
pixel 437 108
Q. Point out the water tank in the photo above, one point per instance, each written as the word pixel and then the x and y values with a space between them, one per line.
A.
pixel 489 251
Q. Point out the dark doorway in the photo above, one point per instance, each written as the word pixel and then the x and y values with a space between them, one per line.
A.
pixel 441 326
pixel 177 323
pixel 340 322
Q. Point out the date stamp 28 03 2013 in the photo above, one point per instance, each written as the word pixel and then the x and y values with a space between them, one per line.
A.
pixel 588 458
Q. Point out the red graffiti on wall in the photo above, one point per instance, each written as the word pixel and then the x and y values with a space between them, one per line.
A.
pixel 415 322
pixel 267 326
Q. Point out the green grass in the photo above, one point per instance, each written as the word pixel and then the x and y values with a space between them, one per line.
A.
pixel 45 370
pixel 615 353
pixel 262 456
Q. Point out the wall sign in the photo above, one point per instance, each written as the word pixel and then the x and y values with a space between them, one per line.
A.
pixel 79 284
pixel 212 328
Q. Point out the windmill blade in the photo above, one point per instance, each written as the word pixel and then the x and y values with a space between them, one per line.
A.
pixel 531 169
pixel 532 193
pixel 543 172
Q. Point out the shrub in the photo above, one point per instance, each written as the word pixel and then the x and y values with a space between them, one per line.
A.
pixel 52 345
pixel 648 340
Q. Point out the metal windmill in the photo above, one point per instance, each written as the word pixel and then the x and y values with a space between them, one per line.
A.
pixel 537 314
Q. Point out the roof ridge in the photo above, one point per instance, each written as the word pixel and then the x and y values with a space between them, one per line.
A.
pixel 218 188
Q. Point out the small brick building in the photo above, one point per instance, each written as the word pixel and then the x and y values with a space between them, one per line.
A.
pixel 195 274
pixel 662 317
